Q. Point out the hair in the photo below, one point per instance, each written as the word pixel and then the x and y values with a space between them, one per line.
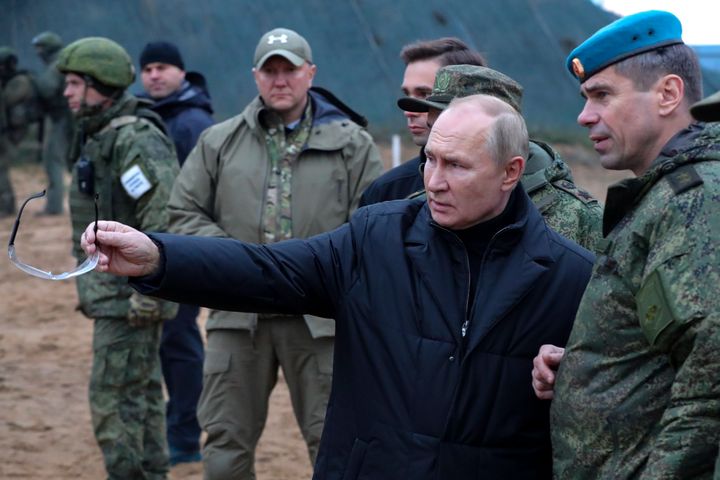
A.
pixel 446 51
pixel 508 135
pixel 647 68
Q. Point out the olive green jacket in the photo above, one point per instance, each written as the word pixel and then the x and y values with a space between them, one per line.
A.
pixel 221 189
pixel 638 390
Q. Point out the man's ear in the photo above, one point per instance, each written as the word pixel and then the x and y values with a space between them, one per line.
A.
pixel 514 169
pixel 670 93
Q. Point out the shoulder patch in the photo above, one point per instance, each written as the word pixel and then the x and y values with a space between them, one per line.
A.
pixel 654 311
pixel 575 191
pixel 684 178
pixel 135 183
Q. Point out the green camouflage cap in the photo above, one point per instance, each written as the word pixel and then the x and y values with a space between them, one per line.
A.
pixel 456 81
pixel 100 58
pixel 284 42
pixel 6 53
pixel 707 109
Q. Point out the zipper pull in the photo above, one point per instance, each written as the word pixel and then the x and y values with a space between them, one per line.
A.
pixel 463 329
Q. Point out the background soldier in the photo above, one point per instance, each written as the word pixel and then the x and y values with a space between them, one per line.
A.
pixel 185 108
pixel 291 165
pixel 125 159
pixel 18 109
pixel 57 125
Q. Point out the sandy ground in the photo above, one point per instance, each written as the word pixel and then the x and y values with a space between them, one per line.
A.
pixel 45 358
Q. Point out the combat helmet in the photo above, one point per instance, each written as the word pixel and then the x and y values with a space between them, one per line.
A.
pixel 48 42
pixel 7 54
pixel 101 59
pixel 8 61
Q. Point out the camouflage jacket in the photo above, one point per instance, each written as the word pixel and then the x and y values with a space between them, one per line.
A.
pixel 133 169
pixel 566 208
pixel 637 393
pixel 221 190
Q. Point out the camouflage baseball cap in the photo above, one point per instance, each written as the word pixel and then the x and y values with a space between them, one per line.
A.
pixel 707 109
pixel 455 81
pixel 284 42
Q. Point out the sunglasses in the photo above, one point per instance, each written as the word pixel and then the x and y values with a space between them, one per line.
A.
pixel 84 267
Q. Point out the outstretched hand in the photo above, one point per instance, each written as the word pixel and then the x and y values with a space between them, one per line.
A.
pixel 545 366
pixel 124 251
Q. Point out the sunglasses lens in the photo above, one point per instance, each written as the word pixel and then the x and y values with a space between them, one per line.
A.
pixel 87 265
pixel 84 267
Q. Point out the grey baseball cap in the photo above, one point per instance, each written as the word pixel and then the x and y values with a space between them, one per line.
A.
pixel 284 42
pixel 455 81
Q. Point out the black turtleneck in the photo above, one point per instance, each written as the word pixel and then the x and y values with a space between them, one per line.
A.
pixel 477 238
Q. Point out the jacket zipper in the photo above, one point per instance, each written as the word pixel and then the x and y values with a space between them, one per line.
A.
pixel 466 323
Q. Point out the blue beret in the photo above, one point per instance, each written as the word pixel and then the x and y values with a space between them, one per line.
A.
pixel 626 37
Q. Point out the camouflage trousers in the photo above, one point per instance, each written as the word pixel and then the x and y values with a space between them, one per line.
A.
pixel 54 156
pixel 126 400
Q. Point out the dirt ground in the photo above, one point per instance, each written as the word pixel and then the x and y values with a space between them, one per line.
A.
pixel 45 358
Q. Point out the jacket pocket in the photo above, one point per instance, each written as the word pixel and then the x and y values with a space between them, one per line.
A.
pixel 355 462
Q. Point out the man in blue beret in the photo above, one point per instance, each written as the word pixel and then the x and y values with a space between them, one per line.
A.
pixel 637 394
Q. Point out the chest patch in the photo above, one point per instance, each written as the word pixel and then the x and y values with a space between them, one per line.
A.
pixel 135 182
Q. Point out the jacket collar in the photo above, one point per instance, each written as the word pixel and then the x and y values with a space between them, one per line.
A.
pixel 331 130
pixel 518 255
pixel 690 145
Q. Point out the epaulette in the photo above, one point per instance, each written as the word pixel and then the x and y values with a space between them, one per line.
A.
pixel 683 178
pixel 577 192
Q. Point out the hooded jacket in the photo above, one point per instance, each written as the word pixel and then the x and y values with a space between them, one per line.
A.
pixel 221 189
pixel 637 395
pixel 186 113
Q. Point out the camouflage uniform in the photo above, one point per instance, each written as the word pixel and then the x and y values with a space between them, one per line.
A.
pixel 569 210
pixel 637 393
pixel 130 164
pixel 18 110
pixel 58 123
pixel 566 208
pixel 126 400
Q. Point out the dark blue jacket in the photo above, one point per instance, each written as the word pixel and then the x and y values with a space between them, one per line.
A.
pixel 186 114
pixel 395 184
pixel 411 398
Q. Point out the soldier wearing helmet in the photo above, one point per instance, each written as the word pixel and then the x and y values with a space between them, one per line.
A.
pixel 18 109
pixel 57 121
pixel 122 159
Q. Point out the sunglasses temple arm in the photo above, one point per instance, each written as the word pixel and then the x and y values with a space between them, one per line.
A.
pixel 96 215
pixel 16 225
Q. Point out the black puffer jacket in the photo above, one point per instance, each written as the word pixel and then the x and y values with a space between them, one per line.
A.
pixel 411 398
